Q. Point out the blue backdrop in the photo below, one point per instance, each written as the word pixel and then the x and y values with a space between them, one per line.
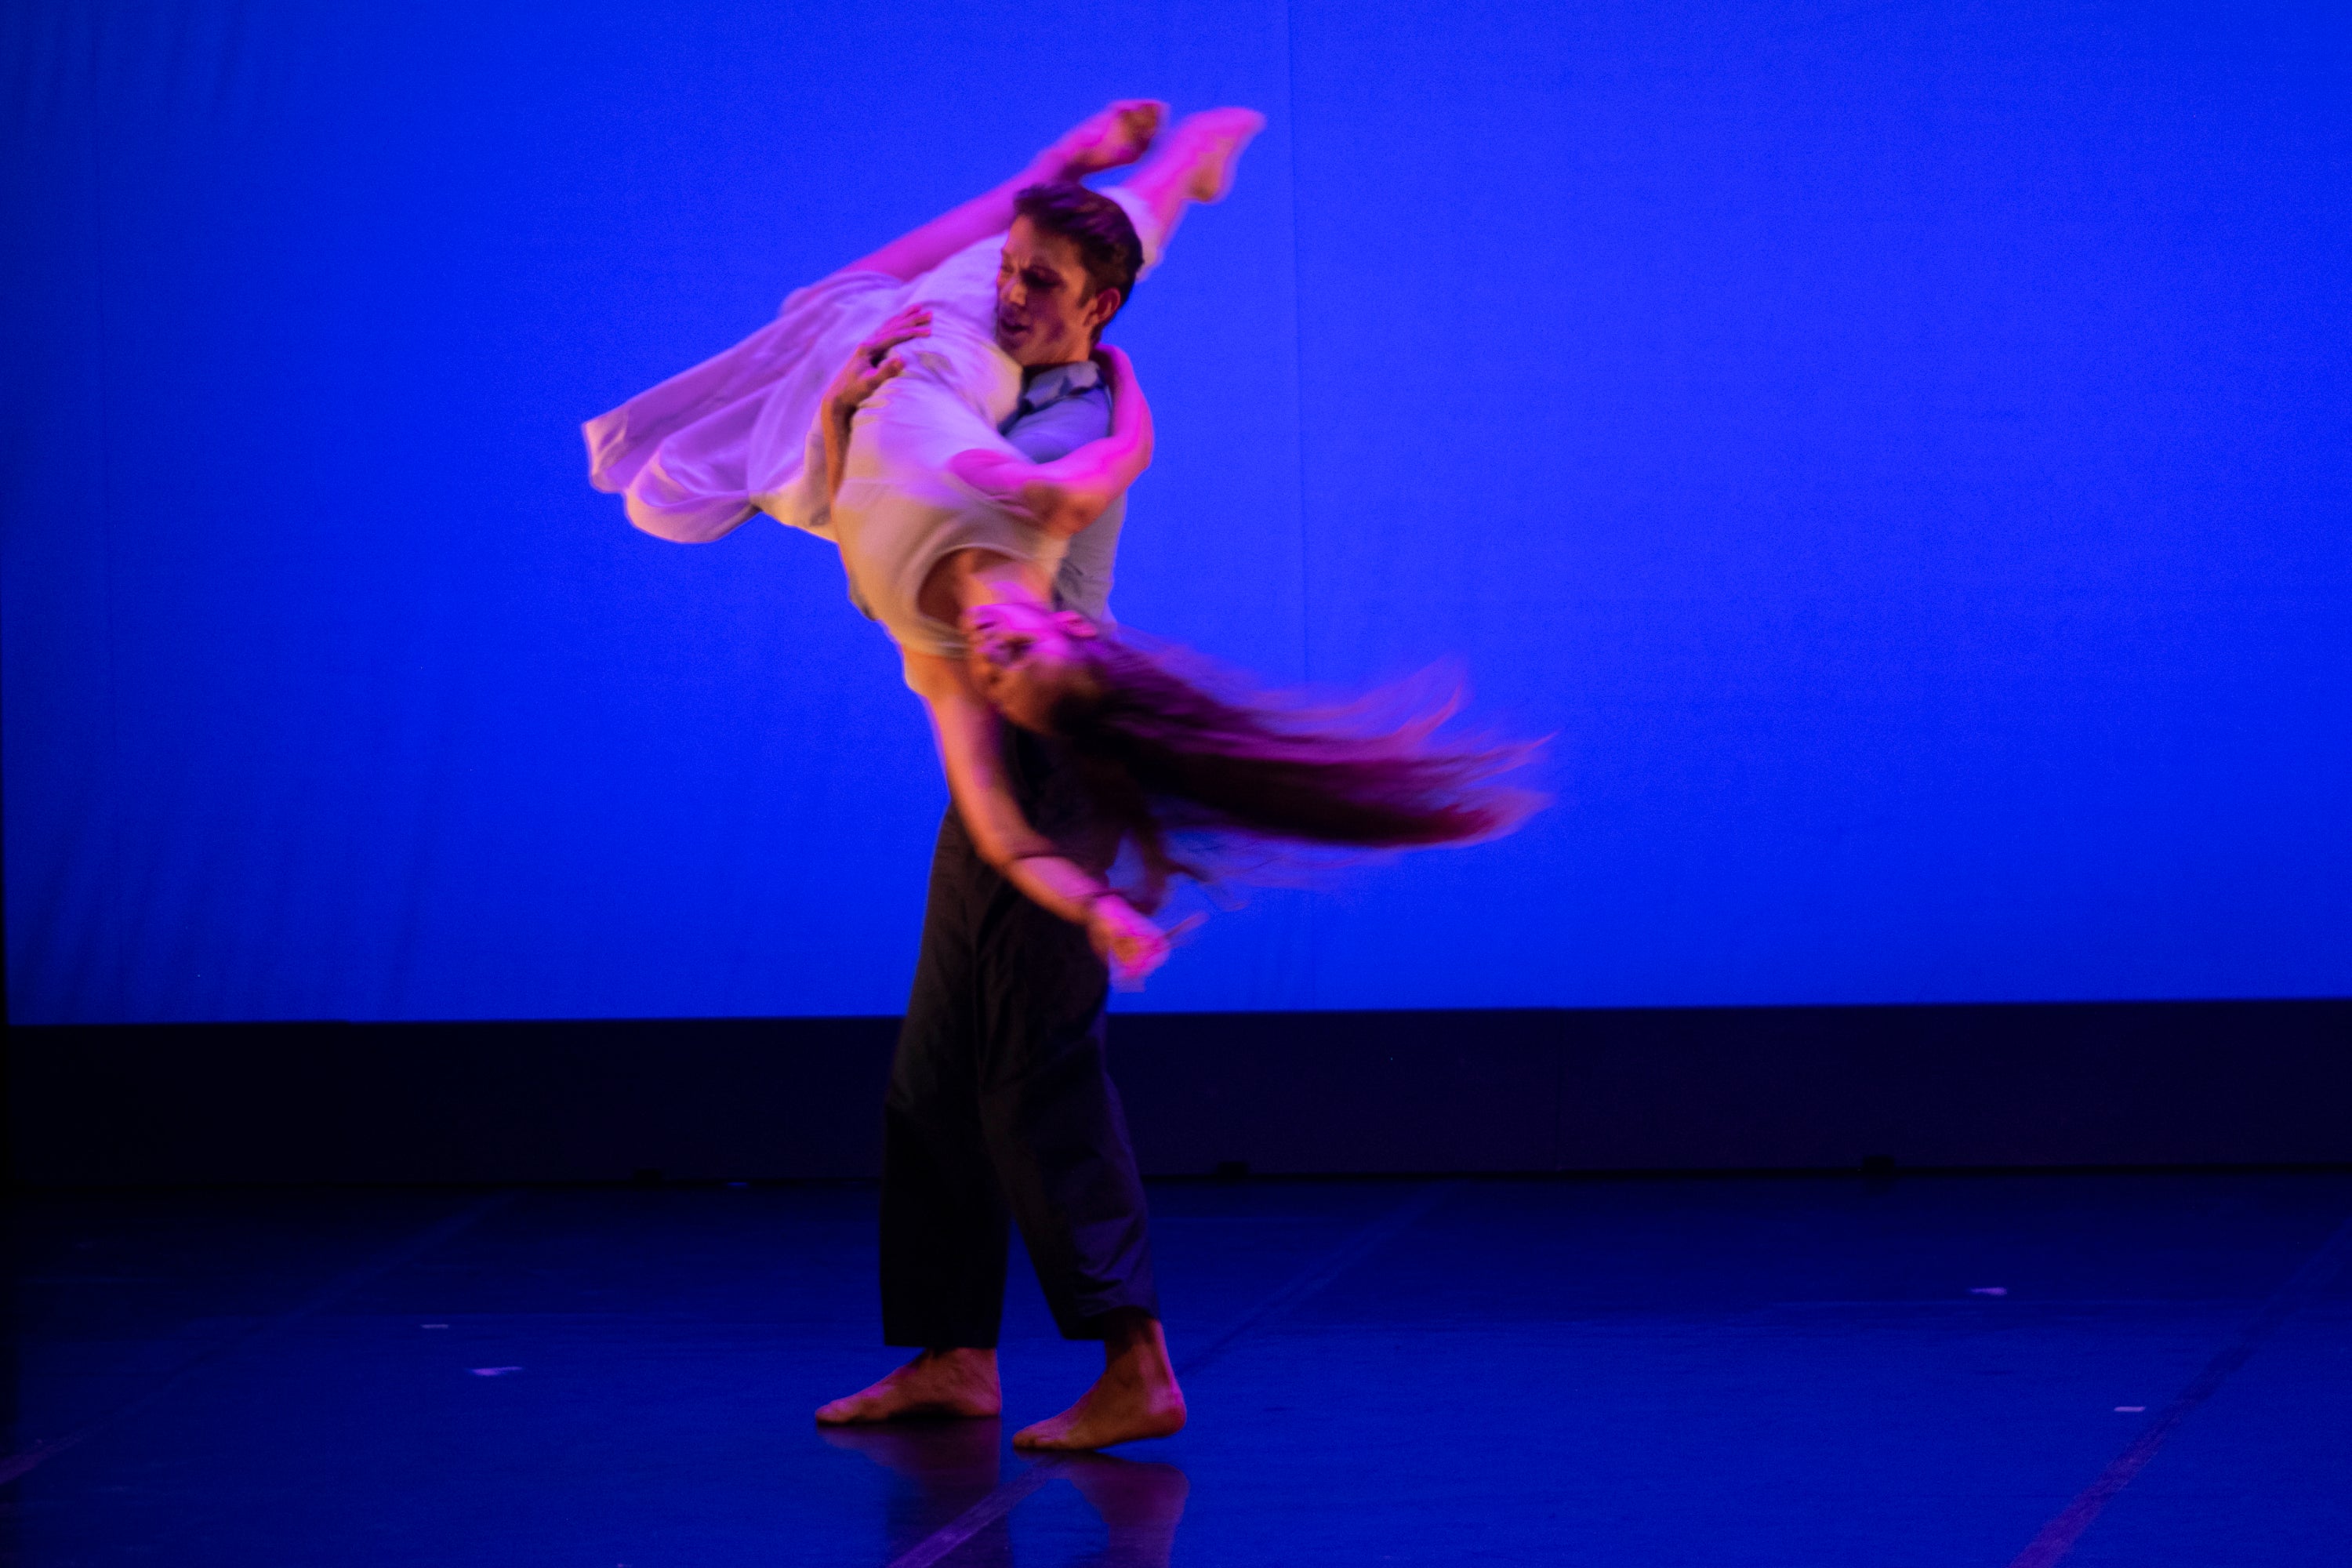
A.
pixel 1901 450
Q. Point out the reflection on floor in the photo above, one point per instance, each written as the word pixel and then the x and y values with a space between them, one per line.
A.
pixel 950 1468
pixel 1819 1371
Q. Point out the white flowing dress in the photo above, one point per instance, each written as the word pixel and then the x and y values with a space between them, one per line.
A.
pixel 696 456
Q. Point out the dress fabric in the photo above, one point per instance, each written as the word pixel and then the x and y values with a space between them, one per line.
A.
pixel 688 457
pixel 696 456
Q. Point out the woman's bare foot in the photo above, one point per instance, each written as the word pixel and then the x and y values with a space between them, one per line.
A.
pixel 1115 137
pixel 1136 1396
pixel 1193 162
pixel 936 1382
pixel 1210 143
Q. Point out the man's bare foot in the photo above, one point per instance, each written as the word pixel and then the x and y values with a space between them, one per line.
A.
pixel 1211 143
pixel 1116 1409
pixel 1136 1396
pixel 936 1382
pixel 1114 138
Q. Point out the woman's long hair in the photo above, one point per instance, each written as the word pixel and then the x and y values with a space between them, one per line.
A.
pixel 1192 768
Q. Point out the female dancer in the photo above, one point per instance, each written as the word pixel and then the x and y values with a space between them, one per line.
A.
pixel 951 539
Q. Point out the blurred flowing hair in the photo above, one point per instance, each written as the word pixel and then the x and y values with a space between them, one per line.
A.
pixel 1201 774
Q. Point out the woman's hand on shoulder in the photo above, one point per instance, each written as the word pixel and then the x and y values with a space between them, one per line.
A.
pixel 1127 939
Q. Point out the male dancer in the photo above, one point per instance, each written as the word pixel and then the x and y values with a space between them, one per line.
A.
pixel 1000 1105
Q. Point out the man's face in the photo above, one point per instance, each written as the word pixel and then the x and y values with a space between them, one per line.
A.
pixel 1045 313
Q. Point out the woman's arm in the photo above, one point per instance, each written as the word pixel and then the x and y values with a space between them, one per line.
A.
pixel 971 740
pixel 1066 495
pixel 1116 136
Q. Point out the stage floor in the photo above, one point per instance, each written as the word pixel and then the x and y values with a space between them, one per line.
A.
pixel 1825 1373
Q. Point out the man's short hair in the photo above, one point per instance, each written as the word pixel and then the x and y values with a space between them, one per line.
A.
pixel 1096 227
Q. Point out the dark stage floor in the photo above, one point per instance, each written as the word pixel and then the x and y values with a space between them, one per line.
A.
pixel 1825 1373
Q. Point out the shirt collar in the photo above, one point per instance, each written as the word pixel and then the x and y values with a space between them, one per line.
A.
pixel 1050 385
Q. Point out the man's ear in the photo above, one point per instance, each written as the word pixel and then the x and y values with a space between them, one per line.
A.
pixel 1102 308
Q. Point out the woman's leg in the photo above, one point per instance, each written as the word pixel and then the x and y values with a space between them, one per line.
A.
pixel 1111 139
pixel 1193 162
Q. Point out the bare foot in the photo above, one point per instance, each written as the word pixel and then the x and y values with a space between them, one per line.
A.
pixel 1115 1410
pixel 936 1382
pixel 1111 139
pixel 1211 143
pixel 1136 1396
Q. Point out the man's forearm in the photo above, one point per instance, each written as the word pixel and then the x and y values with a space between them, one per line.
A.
pixel 1070 492
pixel 1065 495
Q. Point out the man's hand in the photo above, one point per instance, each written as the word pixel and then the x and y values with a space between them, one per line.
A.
pixel 1128 941
pixel 873 364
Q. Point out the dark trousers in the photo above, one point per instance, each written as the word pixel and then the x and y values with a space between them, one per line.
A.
pixel 1001 1107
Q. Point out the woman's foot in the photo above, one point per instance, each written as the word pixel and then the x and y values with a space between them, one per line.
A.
pixel 936 1382
pixel 1111 140
pixel 1193 162
pixel 1208 145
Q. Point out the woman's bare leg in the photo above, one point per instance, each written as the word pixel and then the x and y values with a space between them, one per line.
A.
pixel 1194 162
pixel 1114 138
